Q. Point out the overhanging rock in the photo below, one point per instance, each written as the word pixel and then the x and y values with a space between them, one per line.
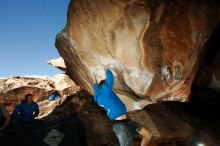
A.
pixel 153 47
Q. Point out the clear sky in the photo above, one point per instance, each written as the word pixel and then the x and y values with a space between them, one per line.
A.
pixel 27 35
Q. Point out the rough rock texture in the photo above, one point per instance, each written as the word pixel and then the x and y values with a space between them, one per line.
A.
pixel 2 80
pixel 171 123
pixel 81 105
pixel 46 107
pixel 63 84
pixel 153 47
pixel 58 63
pixel 14 89
pixel 163 123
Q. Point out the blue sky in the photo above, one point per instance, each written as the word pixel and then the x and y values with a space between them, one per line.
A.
pixel 27 35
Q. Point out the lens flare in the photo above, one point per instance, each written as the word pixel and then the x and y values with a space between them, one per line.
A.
pixel 200 144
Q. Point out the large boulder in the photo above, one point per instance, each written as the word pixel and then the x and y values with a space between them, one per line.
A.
pixel 164 124
pixel 153 47
pixel 14 89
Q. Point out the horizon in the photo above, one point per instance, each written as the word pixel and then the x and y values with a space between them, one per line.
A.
pixel 27 41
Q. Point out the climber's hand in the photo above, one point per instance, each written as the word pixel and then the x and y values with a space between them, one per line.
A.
pixel 106 67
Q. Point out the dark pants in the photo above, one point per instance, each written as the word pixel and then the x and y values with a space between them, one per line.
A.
pixel 123 130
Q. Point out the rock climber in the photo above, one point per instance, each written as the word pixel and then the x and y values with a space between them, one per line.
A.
pixel 116 111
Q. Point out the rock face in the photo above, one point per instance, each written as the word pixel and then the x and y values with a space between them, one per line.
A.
pixel 164 124
pixel 152 47
pixel 14 89
pixel 58 63
pixel 98 130
pixel 2 81
pixel 63 83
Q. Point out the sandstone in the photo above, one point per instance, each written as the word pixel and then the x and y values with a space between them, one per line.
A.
pixel 153 47
pixel 171 123
pixel 58 63
pixel 63 84
pixel 2 81
pixel 164 124
pixel 15 88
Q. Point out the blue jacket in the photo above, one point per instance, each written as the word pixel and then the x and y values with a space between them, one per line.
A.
pixel 53 97
pixel 106 98
pixel 26 112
